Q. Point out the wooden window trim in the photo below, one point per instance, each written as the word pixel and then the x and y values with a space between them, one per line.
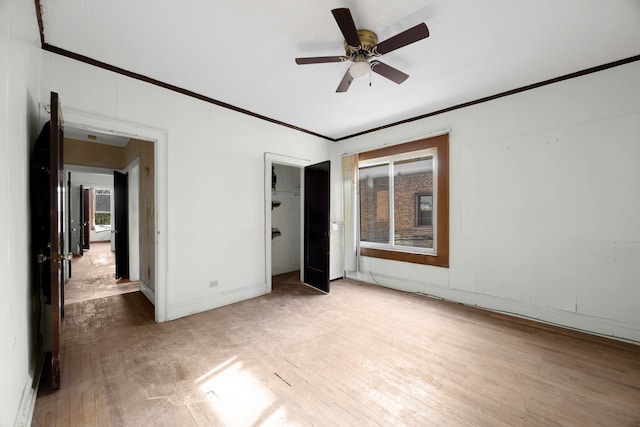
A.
pixel 441 143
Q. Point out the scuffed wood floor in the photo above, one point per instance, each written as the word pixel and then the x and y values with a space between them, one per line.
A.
pixel 93 276
pixel 362 355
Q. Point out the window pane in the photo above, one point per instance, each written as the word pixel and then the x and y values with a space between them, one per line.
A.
pixel 103 218
pixel 413 225
pixel 103 200
pixel 102 207
pixel 374 204
pixel 424 210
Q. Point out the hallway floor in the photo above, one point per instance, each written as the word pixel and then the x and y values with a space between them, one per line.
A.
pixel 93 276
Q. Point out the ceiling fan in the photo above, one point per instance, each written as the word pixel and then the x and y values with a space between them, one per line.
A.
pixel 361 47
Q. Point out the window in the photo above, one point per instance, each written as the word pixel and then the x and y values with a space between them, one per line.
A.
pixel 392 221
pixel 424 210
pixel 404 202
pixel 102 205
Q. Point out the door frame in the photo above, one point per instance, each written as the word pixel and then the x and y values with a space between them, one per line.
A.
pixel 133 191
pixel 91 122
pixel 269 160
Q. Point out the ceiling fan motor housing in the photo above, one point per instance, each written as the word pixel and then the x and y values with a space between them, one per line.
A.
pixel 368 39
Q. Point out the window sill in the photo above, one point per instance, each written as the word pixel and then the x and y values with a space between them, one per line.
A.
pixel 102 228
pixel 425 259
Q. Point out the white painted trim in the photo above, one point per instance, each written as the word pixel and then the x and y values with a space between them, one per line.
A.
pixel 89 121
pixel 134 162
pixel 281 269
pixel 88 169
pixel 134 226
pixel 187 308
pixel 29 395
pixel 147 292
pixel 269 160
pixel 624 331
pixel 27 404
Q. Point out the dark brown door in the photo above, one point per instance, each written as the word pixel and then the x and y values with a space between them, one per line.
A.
pixel 56 227
pixel 121 223
pixel 86 228
pixel 46 186
pixel 316 225
pixel 81 219
pixel 71 226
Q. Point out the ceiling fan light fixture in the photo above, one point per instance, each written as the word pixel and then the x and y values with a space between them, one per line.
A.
pixel 361 46
pixel 359 69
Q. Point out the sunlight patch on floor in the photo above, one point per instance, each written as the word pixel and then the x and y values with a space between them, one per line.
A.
pixel 214 370
pixel 239 398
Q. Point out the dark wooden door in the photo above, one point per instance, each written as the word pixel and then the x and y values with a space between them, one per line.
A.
pixel 316 225
pixel 81 219
pixel 46 186
pixel 121 223
pixel 56 227
pixel 72 223
pixel 86 227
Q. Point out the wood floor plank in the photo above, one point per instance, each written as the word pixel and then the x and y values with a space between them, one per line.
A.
pixel 360 356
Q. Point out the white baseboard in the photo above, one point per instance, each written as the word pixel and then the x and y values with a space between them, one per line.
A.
pixel 200 304
pixel 610 328
pixel 281 269
pixel 29 395
pixel 148 292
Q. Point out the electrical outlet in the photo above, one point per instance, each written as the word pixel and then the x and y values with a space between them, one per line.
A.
pixel 213 283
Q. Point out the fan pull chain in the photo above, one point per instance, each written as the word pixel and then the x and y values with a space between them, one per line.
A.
pixel 369 77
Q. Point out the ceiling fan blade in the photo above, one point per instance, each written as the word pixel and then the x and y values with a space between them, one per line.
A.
pixel 345 83
pixel 389 72
pixel 320 59
pixel 402 39
pixel 347 26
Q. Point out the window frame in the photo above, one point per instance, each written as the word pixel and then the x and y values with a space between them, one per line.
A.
pixel 440 255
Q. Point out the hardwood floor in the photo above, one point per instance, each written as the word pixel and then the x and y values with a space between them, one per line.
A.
pixel 362 355
pixel 93 276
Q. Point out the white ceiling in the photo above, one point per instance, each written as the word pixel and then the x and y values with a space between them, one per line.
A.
pixel 95 136
pixel 241 52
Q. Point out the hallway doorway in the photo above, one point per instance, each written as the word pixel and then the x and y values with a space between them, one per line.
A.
pixel 153 200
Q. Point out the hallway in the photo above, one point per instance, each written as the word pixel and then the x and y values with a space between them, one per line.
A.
pixel 93 276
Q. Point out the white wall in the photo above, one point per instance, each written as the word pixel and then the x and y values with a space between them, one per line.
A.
pixel 98 179
pixel 20 64
pixel 215 173
pixel 285 249
pixel 544 204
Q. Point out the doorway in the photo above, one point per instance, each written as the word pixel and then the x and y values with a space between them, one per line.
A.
pixel 154 206
pixel 93 264
pixel 294 172
pixel 272 160
pixel 286 214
